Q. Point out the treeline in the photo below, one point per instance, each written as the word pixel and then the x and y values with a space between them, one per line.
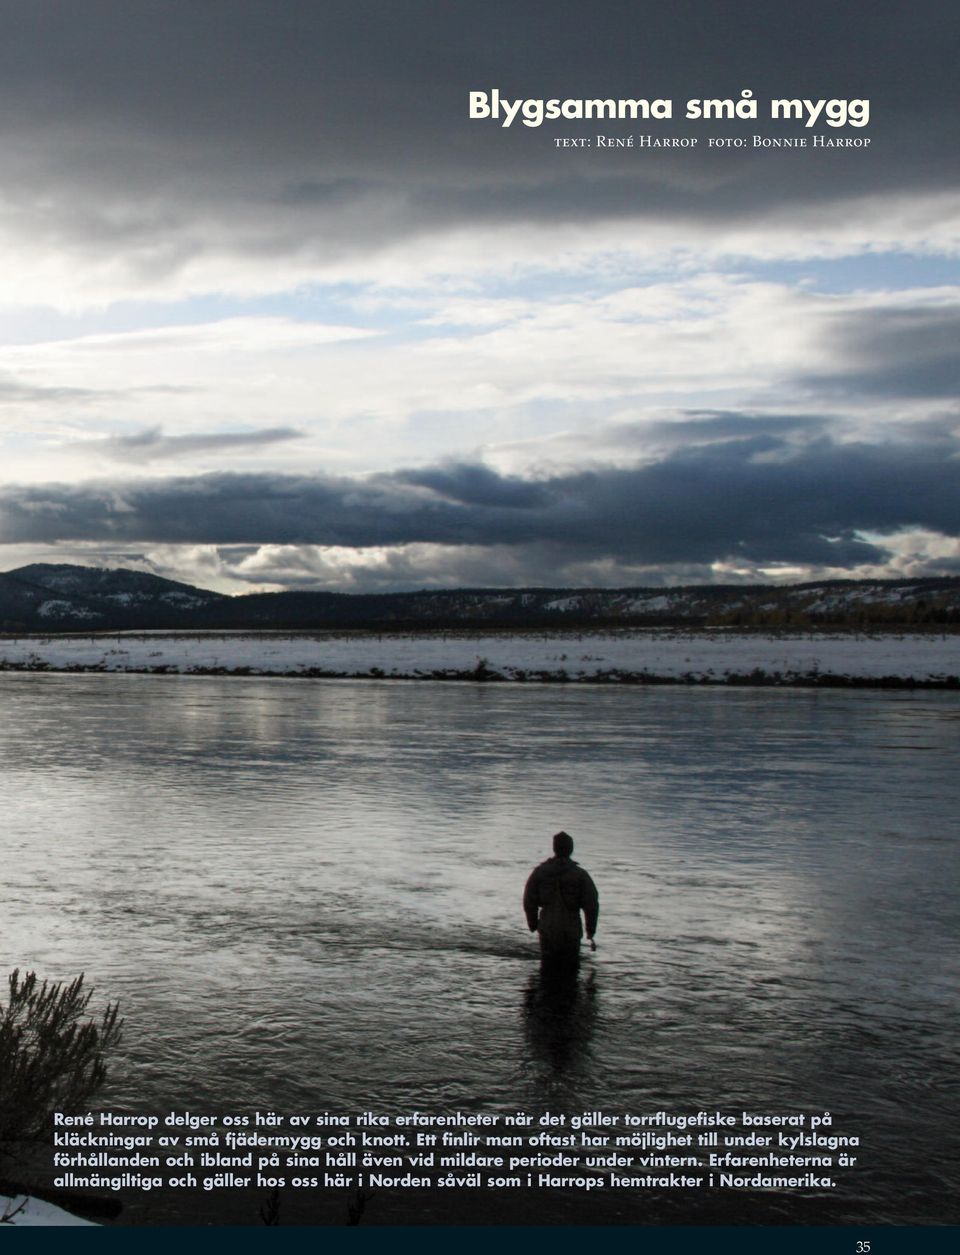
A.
pixel 876 617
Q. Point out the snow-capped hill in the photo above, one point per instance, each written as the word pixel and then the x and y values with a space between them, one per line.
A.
pixel 61 597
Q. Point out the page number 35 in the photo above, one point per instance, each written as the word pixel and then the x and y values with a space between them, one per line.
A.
pixel 863 1248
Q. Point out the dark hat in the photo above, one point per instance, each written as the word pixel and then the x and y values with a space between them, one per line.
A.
pixel 563 844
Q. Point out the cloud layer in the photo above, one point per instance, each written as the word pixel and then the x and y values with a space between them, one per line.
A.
pixel 746 501
pixel 151 444
pixel 157 148
pixel 243 235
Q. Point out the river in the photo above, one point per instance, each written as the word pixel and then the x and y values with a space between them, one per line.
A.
pixel 306 896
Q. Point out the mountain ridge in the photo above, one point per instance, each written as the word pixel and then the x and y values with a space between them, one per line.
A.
pixel 62 597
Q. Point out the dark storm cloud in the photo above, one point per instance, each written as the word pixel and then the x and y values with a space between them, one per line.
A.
pixel 152 445
pixel 472 484
pixel 326 125
pixel 898 352
pixel 755 499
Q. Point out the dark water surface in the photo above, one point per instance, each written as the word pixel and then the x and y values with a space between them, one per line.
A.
pixel 306 896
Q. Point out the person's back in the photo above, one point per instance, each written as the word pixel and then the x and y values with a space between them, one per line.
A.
pixel 555 894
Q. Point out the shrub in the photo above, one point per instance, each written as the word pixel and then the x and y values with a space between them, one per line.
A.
pixel 51 1056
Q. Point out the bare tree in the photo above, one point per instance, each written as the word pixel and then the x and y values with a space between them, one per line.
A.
pixel 51 1054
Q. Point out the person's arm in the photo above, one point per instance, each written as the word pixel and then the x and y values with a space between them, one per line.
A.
pixel 531 901
pixel 589 904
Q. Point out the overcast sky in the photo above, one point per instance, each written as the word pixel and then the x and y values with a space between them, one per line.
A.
pixel 276 312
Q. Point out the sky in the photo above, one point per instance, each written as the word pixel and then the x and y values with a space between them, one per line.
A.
pixel 277 312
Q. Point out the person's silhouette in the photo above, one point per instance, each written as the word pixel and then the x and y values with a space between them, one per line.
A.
pixel 556 892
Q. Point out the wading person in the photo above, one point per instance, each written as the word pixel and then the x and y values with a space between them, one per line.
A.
pixel 556 892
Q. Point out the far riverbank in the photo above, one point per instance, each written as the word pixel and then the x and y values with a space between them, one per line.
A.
pixel 818 659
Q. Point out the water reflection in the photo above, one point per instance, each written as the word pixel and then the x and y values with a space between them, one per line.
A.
pixel 560 1015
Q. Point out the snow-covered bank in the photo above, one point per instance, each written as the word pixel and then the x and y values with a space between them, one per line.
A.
pixel 25 1210
pixel 623 656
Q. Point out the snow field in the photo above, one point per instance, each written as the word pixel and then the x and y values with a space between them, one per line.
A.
pixel 694 657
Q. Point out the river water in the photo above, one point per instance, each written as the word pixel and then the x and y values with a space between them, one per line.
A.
pixel 306 895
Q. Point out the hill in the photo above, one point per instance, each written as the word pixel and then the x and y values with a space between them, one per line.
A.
pixel 66 598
